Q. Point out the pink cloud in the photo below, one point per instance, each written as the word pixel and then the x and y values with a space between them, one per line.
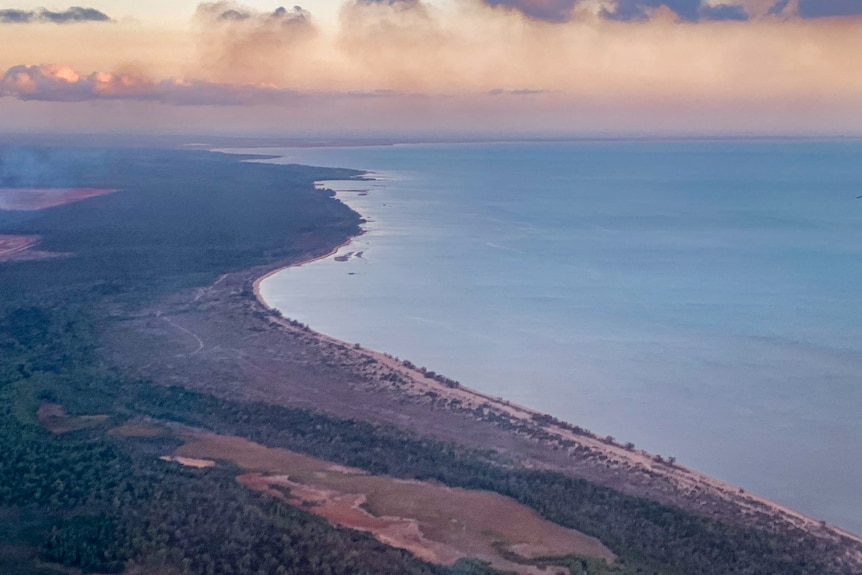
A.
pixel 59 83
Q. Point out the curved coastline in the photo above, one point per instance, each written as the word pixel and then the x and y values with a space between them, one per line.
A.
pixel 606 307
pixel 685 481
pixel 260 280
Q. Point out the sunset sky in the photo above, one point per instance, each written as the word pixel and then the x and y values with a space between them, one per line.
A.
pixel 475 66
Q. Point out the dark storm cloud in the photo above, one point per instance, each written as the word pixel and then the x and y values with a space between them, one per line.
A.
pixel 624 10
pixel 231 12
pixel 685 10
pixel 829 8
pixel 234 15
pixel 75 14
pixel 16 16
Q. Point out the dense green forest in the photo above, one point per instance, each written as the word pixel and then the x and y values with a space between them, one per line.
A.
pixel 100 502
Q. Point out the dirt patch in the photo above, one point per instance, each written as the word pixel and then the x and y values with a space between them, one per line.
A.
pixel 30 199
pixel 20 248
pixel 138 430
pixel 437 523
pixel 189 461
pixel 348 510
pixel 53 417
pixel 11 245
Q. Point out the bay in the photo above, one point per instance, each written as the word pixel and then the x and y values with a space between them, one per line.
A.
pixel 700 299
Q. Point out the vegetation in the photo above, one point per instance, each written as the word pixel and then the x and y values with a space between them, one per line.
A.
pixel 104 500
pixel 101 502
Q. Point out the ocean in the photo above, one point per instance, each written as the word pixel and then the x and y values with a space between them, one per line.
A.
pixel 697 298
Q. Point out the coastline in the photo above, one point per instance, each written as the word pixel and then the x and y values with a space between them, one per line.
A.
pixel 573 438
pixel 186 346
pixel 261 279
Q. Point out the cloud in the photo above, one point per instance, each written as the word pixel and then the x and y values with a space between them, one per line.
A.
pixel 75 14
pixel 50 82
pixel 521 92
pixel 723 13
pixel 401 4
pixel 237 43
pixel 685 10
pixel 226 11
pixel 361 17
pixel 399 44
pixel 392 51
pixel 59 83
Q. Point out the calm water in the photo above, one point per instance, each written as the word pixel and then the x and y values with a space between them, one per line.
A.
pixel 698 299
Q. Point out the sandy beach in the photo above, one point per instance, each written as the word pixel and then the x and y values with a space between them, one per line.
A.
pixel 261 279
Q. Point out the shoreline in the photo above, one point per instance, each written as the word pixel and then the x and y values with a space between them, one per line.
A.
pixel 684 478
pixel 261 279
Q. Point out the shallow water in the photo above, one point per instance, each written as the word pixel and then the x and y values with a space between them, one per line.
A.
pixel 699 299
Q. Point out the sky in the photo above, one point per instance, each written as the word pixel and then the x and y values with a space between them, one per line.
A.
pixel 556 67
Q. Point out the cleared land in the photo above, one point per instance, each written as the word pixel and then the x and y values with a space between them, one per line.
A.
pixel 31 199
pixel 18 247
pixel 189 461
pixel 53 417
pixel 437 523
pixel 138 430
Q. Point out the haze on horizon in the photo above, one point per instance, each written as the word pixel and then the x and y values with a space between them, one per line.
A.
pixel 480 66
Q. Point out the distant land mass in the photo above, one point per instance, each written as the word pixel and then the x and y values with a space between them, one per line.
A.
pixel 157 417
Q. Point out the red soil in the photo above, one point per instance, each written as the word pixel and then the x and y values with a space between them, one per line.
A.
pixel 29 199
pixel 11 246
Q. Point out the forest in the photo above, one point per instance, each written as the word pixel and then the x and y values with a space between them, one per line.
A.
pixel 101 502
